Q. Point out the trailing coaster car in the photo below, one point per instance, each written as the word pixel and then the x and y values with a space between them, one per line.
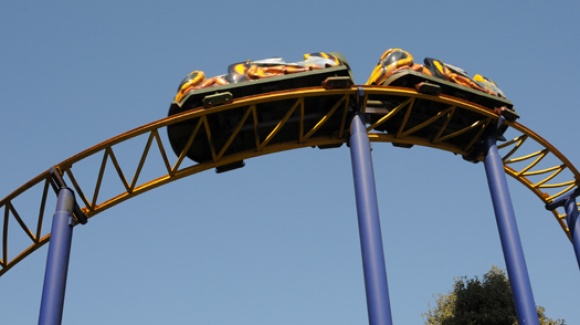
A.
pixel 255 70
pixel 396 67
pixel 246 79
pixel 252 71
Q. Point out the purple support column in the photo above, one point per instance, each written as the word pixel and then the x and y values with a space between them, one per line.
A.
pixel 375 274
pixel 569 203
pixel 52 304
pixel 509 235
pixel 572 220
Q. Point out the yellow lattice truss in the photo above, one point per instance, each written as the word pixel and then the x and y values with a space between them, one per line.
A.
pixel 400 116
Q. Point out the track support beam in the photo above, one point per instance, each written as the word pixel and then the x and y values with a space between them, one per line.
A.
pixel 509 235
pixel 375 274
pixel 51 308
pixel 573 225
pixel 570 204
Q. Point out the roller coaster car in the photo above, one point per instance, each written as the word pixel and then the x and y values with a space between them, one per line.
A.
pixel 246 79
pixel 397 68
pixel 255 77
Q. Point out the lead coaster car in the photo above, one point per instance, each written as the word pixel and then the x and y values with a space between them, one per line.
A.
pixel 251 78
pixel 425 108
pixel 397 69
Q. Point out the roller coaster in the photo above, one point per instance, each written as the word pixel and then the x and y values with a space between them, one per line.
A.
pixel 223 125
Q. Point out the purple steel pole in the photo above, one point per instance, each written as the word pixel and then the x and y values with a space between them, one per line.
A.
pixel 509 235
pixel 570 205
pixel 375 274
pixel 574 228
pixel 52 303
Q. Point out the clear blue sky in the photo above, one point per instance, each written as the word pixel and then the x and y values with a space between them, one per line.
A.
pixel 276 242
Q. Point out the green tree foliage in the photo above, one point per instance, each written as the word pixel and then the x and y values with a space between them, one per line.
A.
pixel 486 301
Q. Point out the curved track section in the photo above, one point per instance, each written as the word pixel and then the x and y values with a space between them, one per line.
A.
pixel 269 123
